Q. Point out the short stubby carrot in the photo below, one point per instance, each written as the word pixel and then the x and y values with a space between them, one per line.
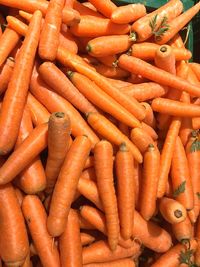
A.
pixel 6 71
pixel 103 164
pixel 65 187
pixel 36 218
pixel 59 129
pixel 106 7
pixel 165 59
pixel 141 139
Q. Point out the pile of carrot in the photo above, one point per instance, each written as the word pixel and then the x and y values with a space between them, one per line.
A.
pixel 99 135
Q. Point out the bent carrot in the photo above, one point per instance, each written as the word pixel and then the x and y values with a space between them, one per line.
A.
pixel 106 7
pixel 165 59
pixel 6 71
pixel 182 230
pixel 117 263
pixel 141 139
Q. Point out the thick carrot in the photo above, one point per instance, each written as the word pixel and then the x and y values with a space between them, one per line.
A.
pixel 98 97
pixel 66 184
pixel 6 71
pixel 101 125
pixel 149 130
pixel 177 24
pixel 171 210
pixel 59 129
pixel 196 68
pixel 145 28
pixel 54 102
pixel 100 252
pixel 68 41
pixel 85 10
pixel 112 72
pixel 117 263
pixel 91 26
pixel 24 154
pixel 17 25
pixel 103 164
pixel 149 115
pixel 105 7
pixel 138 66
pixel 128 13
pixel 70 242
pixel 180 174
pixel 151 235
pixel 147 51
pixel 165 59
pixel 182 230
pixel 86 239
pixel 141 139
pixel 36 218
pixel 14 239
pixel 15 96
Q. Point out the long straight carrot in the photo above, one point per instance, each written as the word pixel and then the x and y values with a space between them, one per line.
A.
pixel 108 130
pixel 166 155
pixel 106 7
pixel 165 59
pixel 15 97
pixel 59 129
pixel 36 218
pixel 138 66
pixel 66 185
pixel 24 154
pixel 70 242
pixel 117 263
pixel 6 71
pixel 103 164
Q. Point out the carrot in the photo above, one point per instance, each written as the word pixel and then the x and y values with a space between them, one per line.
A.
pixel 6 71
pixel 147 51
pixel 138 66
pixel 101 125
pixel 89 173
pixel 91 26
pixel 85 10
pixel 32 179
pixel 151 235
pixel 36 217
pixel 112 72
pixel 14 239
pixel 103 164
pixel 150 182
pixel 125 189
pixel 54 102
pixel 20 195
pixel 148 25
pixel 100 252
pixel 15 96
pixel 69 3
pixel 149 116
pixel 181 180
pixel 27 262
pixel 86 239
pixel 196 68
pixel 182 230
pixel 66 184
pixel 171 210
pixel 197 234
pixel 58 143
pixel 96 47
pixel 117 263
pixel 165 59
pixel 175 108
pixel 70 242
pixel 141 139
pixel 24 154
pixel 174 26
pixel 118 83
pixel 17 25
pixel 39 114
pixel 128 13
pixel 108 60
pixel 149 130
pixel 69 15
pixel 176 41
pixel 98 97
pixel 68 41
pixel 105 7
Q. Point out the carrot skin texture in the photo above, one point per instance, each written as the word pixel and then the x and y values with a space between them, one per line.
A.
pixel 117 263
pixel 106 7
pixel 182 230
pixel 5 74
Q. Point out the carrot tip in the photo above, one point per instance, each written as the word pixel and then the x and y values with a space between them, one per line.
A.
pixel 163 48
pixel 132 37
pixel 178 213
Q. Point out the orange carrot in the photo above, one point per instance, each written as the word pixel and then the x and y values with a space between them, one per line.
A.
pixel 58 143
pixel 138 66
pixel 19 195
pixel 145 28
pixel 6 71
pixel 70 242
pixel 196 68
pixel 149 116
pixel 181 180
pixel 108 60
pixel 66 184
pixel 17 25
pixel 171 210
pixel 36 218
pixel 117 263
pixel 176 41
pixel 141 139
pixel 165 59
pixel 86 239
pixel 85 10
pixel 101 125
pixel 68 41
pixel 128 13
pixel 103 164
pixel 118 83
pixel 112 72
pixel 182 230
pixel 106 7
pixel 149 130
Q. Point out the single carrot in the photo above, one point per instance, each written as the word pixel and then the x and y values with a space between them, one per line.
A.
pixel 99 98
pixel 70 242
pixel 24 154
pixel 196 68
pixel 100 252
pixel 6 71
pixel 85 10
pixel 101 125
pixel 14 238
pixel 171 210
pixel 36 217
pixel 112 72
pixel 17 25
pixel 149 115
pixel 151 235
pixel 66 184
pixel 128 13
pixel 138 66
pixel 149 130
pixel 135 79
pixel 103 164
pixel 165 59
pixel 148 25
pixel 86 239
pixel 59 129
pixel 182 230
pixel 175 25
pixel 117 263
pixel 105 7
pixel 91 26
pixel 68 41
pixel 108 60
pixel 141 139
pixel 181 180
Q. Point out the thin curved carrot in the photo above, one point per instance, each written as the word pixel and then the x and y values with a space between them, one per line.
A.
pixel 165 59
pixel 141 139
pixel 86 239
pixel 36 217
pixel 182 230
pixel 6 71
pixel 111 72
pixel 117 263
pixel 105 7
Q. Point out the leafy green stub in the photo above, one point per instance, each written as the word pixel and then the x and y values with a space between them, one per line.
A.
pixel 185 257
pixel 195 146
pixel 180 189
pixel 163 26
